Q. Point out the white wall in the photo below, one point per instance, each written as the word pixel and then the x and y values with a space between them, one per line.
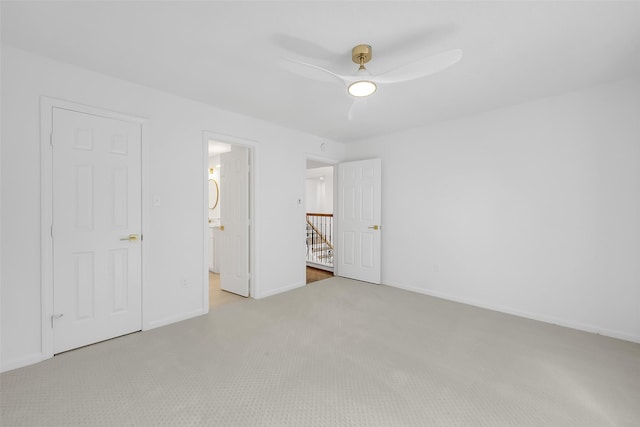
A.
pixel 173 170
pixel 532 209
pixel 319 191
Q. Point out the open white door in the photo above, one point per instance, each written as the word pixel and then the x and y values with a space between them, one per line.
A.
pixel 358 221
pixel 234 221
pixel 97 274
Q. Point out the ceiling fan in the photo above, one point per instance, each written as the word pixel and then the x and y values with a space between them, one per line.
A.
pixel 362 83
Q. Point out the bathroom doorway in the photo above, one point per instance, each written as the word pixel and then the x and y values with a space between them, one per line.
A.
pixel 229 216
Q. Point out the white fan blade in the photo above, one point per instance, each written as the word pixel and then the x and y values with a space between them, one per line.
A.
pixel 420 68
pixel 313 72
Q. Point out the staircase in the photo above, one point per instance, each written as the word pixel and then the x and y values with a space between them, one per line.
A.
pixel 319 241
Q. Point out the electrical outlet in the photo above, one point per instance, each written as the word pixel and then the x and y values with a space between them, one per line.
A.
pixel 184 283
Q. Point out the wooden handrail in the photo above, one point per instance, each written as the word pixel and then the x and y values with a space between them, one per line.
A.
pixel 318 214
pixel 313 227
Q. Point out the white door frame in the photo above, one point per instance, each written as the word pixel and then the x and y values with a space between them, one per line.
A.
pixel 339 231
pixel 253 182
pixel 47 105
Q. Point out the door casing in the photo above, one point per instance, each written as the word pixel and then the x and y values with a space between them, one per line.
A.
pixel 46 205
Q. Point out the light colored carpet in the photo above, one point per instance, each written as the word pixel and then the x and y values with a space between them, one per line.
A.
pixel 340 353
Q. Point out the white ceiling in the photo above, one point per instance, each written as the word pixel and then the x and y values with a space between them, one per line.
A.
pixel 322 173
pixel 229 54
pixel 216 148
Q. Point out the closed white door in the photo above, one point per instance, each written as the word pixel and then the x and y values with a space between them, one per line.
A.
pixel 234 221
pixel 97 275
pixel 359 209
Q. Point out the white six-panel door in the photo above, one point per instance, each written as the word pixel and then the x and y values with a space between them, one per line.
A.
pixel 234 221
pixel 359 228
pixel 97 275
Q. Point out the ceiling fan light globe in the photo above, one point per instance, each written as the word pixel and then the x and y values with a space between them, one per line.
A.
pixel 362 88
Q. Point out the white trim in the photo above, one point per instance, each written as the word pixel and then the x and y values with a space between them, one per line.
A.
pixel 145 182
pixel 319 266
pixel 281 290
pixel 253 190
pixel 46 221
pixel 23 361
pixel 336 222
pixel 47 104
pixel 205 240
pixel 328 160
pixel 173 319
pixel 546 319
pixel 88 109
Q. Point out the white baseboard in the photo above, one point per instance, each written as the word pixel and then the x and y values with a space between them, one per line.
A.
pixel 172 319
pixel 279 290
pixel 527 315
pixel 319 266
pixel 22 361
pixel 39 357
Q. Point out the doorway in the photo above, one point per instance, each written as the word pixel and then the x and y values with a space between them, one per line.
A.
pixel 355 232
pixel 319 239
pixel 358 219
pixel 91 243
pixel 228 221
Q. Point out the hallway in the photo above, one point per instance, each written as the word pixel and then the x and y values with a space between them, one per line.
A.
pixel 315 274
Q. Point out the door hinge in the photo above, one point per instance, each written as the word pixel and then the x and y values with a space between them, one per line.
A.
pixel 51 230
pixel 51 139
pixel 55 317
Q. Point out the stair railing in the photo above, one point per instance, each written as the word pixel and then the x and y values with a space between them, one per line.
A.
pixel 319 240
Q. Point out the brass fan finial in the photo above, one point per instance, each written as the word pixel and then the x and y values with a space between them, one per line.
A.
pixel 361 54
